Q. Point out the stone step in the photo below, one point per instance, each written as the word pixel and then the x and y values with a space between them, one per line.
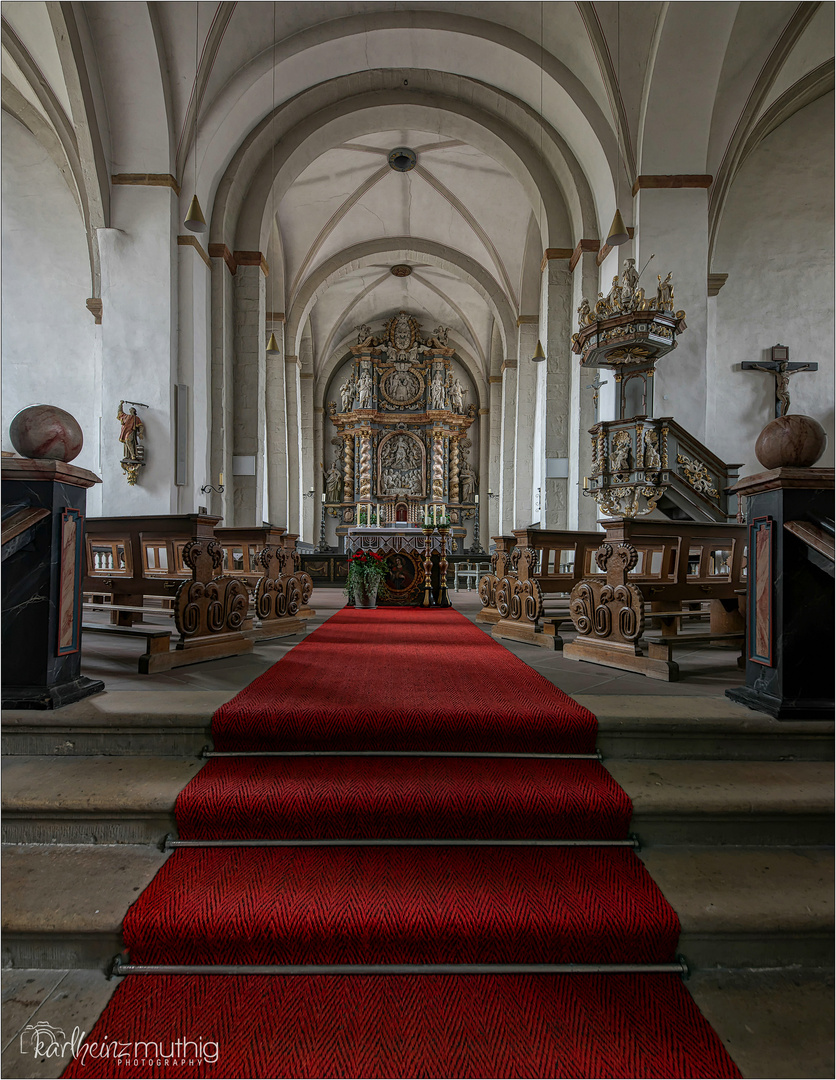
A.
pixel 178 723
pixel 63 905
pixel 716 803
pixel 774 1023
pixel 117 723
pixel 705 728
pixel 92 800
pixel 120 800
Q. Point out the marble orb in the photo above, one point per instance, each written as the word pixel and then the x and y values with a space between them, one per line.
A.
pixel 45 431
pixel 794 442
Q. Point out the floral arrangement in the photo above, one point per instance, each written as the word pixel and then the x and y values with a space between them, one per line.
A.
pixel 366 570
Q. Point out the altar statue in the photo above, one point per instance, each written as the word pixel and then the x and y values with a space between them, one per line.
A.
pixel 333 484
pixel 438 397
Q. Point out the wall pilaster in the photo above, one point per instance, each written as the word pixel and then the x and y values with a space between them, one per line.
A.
pixel 249 397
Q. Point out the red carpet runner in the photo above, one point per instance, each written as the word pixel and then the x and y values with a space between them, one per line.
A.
pixel 403 680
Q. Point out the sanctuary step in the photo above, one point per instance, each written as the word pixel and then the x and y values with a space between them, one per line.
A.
pixel 119 800
pixel 178 722
pixel 63 905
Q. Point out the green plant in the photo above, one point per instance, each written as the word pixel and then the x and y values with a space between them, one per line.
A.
pixel 366 570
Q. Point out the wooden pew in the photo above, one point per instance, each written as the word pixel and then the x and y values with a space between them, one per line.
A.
pixel 173 556
pixel 663 563
pixel 138 556
pixel 283 591
pixel 543 564
pixel 500 564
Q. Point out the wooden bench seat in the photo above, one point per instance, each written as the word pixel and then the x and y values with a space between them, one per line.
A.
pixel 157 649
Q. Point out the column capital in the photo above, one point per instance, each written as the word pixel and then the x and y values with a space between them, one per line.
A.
pixel 554 253
pixel 672 180
pixel 583 247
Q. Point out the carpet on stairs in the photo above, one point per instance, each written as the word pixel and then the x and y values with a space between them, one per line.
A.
pixel 396 680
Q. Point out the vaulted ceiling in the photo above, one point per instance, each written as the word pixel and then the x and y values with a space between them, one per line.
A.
pixel 527 119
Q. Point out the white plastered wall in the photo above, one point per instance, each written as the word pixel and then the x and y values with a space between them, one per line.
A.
pixel 49 339
pixel 776 244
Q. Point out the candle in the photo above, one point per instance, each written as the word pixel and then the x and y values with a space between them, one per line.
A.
pixel 221 480
pixel 476 499
pixel 323 496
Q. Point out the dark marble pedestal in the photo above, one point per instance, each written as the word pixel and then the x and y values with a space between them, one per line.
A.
pixel 43 568
pixel 789 612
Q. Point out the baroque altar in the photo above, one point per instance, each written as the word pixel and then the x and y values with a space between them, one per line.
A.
pixel 405 549
pixel 402 422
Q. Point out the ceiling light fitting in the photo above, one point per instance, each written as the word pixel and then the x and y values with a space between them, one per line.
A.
pixel 539 356
pixel 402 159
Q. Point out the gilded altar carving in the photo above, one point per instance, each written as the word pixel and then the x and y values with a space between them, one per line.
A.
pixel 401 465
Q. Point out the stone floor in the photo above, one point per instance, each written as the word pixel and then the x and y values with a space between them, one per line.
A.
pixel 704 672
pixel 775 1023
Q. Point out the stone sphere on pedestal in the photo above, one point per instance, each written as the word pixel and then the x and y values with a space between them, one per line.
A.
pixel 791 442
pixel 45 431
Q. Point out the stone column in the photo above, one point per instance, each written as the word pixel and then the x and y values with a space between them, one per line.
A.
pixel 507 452
pixel 673 224
pixel 249 393
pixel 491 508
pixel 223 324
pixel 454 470
pixel 556 303
pixel 310 475
pixel 525 422
pixel 483 481
pixel 294 495
pixel 276 431
pixel 582 511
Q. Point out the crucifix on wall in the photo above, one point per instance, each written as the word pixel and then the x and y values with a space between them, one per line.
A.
pixel 595 387
pixel 783 370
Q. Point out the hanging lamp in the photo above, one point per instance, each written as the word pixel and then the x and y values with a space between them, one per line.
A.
pixel 272 343
pixel 539 355
pixel 618 234
pixel 194 220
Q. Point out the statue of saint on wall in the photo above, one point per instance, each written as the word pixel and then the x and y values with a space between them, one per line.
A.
pixel 133 431
pixel 400 467
pixel 333 484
